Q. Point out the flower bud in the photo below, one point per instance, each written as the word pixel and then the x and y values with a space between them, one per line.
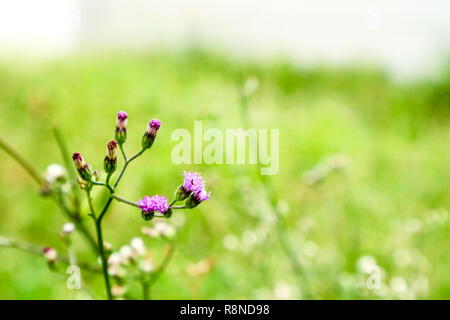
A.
pixel 118 291
pixel 146 266
pixel 150 134
pixel 108 247
pixel 55 173
pixel 110 163
pixel 121 127
pixel 196 198
pixel 50 255
pixel 82 167
pixel 68 228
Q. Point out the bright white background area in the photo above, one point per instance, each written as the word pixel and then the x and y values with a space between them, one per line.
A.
pixel 407 37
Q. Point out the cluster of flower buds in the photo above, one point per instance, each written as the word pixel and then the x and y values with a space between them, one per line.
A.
pixel 150 134
pixel 129 256
pixel 160 229
pixel 110 163
pixel 192 191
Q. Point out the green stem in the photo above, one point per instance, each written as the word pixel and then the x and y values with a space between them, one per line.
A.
pixel 98 221
pixel 78 222
pixel 30 248
pixel 69 167
pixel 131 203
pixel 20 160
pixel 125 166
pixel 178 207
pixel 103 258
pixel 106 185
pixel 33 173
pixel 100 243
pixel 159 272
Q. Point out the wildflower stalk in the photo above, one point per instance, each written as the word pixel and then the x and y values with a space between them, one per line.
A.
pixel 147 286
pixel 69 168
pixel 30 248
pixel 131 203
pixel 100 243
pixel 127 162
pixel 74 216
pixel 20 160
pixel 98 220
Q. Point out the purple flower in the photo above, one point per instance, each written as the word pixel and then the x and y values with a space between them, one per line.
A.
pixel 193 182
pixel 121 127
pixel 155 124
pixel 154 204
pixel 197 197
pixel 150 134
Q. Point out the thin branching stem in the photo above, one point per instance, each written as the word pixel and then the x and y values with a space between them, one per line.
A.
pixel 99 219
pixel 69 167
pixel 147 286
pixel 100 244
pixel 127 162
pixel 131 203
pixel 74 216
pixel 36 250
pixel 20 160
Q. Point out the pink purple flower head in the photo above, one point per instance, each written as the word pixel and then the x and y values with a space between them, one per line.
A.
pixel 154 204
pixel 155 124
pixel 150 134
pixel 122 119
pixel 202 195
pixel 77 159
pixel 193 182
pixel 196 198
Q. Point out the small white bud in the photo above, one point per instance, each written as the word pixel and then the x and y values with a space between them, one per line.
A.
pixel 137 244
pixel 68 228
pixel 146 266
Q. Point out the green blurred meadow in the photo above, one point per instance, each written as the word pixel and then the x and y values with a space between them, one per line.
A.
pixel 363 177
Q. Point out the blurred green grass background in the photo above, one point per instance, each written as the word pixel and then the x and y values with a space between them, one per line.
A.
pixel 390 202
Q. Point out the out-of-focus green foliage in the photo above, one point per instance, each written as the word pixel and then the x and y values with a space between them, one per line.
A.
pixel 388 203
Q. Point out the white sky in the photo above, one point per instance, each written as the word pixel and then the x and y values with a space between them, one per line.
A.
pixel 409 37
